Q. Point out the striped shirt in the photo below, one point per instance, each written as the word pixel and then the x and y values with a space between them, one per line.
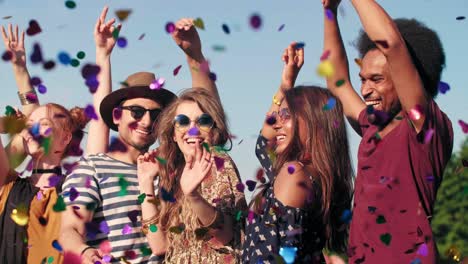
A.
pixel 109 187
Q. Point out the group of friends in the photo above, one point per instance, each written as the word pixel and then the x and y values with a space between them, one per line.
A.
pixel 181 202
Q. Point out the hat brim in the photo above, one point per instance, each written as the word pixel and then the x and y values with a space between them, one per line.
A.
pixel 161 96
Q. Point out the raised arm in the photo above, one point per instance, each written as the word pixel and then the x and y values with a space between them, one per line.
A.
pixel 293 59
pixel 339 84
pixel 381 29
pixel 186 37
pixel 98 134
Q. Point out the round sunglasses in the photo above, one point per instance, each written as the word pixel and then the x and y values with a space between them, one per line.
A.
pixel 204 122
pixel 283 115
pixel 138 112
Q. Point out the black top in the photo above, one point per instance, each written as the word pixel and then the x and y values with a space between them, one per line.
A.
pixel 277 225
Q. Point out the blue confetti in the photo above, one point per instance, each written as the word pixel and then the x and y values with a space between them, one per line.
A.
pixel 288 254
pixel 64 58
pixel 226 29
pixel 346 216
pixel 330 104
pixel 57 246
pixel 300 45
pixel 444 87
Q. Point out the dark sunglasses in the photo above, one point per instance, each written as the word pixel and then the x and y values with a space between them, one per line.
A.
pixel 138 112
pixel 204 122
pixel 283 114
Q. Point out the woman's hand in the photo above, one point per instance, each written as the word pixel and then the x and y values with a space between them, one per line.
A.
pixel 293 58
pixel 186 37
pixel 14 43
pixel 103 33
pixel 197 167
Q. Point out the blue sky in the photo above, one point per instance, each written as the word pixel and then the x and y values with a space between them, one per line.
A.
pixel 249 69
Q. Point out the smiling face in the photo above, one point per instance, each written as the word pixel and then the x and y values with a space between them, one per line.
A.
pixel 284 128
pixel 188 138
pixel 376 84
pixel 136 132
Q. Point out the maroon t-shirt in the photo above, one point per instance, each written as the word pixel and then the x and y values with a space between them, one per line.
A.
pixel 395 190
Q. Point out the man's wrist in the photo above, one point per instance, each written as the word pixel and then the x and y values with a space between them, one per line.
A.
pixel 195 60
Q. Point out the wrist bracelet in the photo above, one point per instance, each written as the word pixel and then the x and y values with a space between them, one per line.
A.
pixel 276 101
pixel 84 250
pixel 29 97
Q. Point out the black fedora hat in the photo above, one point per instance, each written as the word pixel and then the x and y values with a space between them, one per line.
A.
pixel 136 85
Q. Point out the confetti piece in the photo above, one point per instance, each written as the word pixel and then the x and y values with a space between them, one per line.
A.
pixel 54 180
pixel 50 259
pixel 460 18
pixel 116 33
pixel 299 45
pixel 291 169
pixel 255 21
pixel 213 76
pixel 74 62
pixel 141 36
pixel 70 4
pixel 219 162
pixel 250 216
pixel 73 194
pixel 153 228
pixel 340 83
pixel 33 28
pixel 20 215
pixel 122 14
pixel 238 215
pixel 329 14
pixel 415 113
pixel 81 55
pixel 64 58
pixel 380 219
pixel 89 70
pixel 226 29
pixel 423 250
pixel 330 104
pixel 7 17
pixel 39 196
pixel 133 215
pixel 281 27
pixel 346 216
pixel 122 42
pixel 443 87
pixel 386 238
pixel 127 230
pixel 219 48
pixel 325 55
pixel 158 83
pixel 193 131
pixel 240 187
pixel 206 146
pixel 177 229
pixel 107 258
pixel 453 253
pixel 251 185
pixel 167 196
pixel 90 112
pixel 416 261
pixel 48 65
pixel 9 111
pixel 428 135
pixel 288 254
pixel 42 89
pixel 199 23
pixel 463 125
pixel 60 205
pixel 36 55
pixel 259 175
pixel 270 120
pixel 141 198
pixel 123 185
pixel 176 70
pixel 161 160
pixel 358 62
pixel 57 246
pixel 325 69
pixel 7 56
pixel 170 27
pixel 146 251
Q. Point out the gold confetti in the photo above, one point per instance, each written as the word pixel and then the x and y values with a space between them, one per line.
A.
pixel 122 14
pixel 325 69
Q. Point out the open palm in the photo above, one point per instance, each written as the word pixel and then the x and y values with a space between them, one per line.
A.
pixel 186 37
pixel 197 167
pixel 147 166
pixel 104 32
pixel 15 45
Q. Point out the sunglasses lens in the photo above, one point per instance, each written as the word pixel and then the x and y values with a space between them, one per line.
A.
pixel 205 121
pixel 137 112
pixel 154 113
pixel 182 121
pixel 284 114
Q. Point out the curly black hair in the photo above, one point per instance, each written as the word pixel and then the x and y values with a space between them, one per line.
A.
pixel 424 46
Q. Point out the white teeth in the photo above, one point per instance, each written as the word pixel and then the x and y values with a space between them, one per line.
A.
pixel 374 102
pixel 142 132
pixel 192 140
pixel 280 138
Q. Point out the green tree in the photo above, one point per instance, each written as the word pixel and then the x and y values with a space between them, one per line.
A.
pixel 450 221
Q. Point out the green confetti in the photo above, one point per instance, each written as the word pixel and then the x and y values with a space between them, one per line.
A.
pixel 153 228
pixel 91 206
pixel 75 63
pixel 220 149
pixel 219 48
pixel 81 55
pixel 60 205
pixel 115 33
pixel 161 160
pixel 124 84
pixel 46 145
pixel 238 215
pixel 145 251
pixel 141 198
pixel 381 219
pixel 9 111
pixel 200 233
pixel 399 118
pixel 50 259
pixel 377 136
pixel 386 238
pixel 199 23
pixel 70 4
pixel 340 82
pixel 123 185
pixel 206 146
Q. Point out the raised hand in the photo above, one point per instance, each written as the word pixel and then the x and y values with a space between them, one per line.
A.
pixel 14 43
pixel 197 167
pixel 331 4
pixel 147 167
pixel 186 37
pixel 103 33
pixel 293 59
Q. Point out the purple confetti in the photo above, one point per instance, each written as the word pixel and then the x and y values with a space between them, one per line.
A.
pixel 240 187
pixel 106 258
pixel 104 227
pixel 194 131
pixel 73 194
pixel 428 135
pixel 39 196
pixel 88 182
pixel 90 70
pixel 7 56
pixel 176 70
pixel 133 215
pixel 127 230
pixel 422 250
pixel 141 36
pixel 54 180
pixel 270 120
pixel 42 89
pixel 219 162
pixel 122 42
pixel 158 83
pixel 430 178
pixel 170 27
pixel 48 65
pixel 117 113
pixel 33 28
pixel 291 169
pixel 89 111
pixel 35 81
pixel 213 76
pixel 463 125
pixel 36 55
pixel 281 27
pixel 256 21
pixel 250 216
pixel 443 87
pixel 251 185
pixel 329 14
pixel 92 83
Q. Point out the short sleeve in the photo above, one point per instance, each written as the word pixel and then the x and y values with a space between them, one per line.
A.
pixel 80 187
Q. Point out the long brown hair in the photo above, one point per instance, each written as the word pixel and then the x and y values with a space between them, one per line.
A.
pixel 168 149
pixel 325 156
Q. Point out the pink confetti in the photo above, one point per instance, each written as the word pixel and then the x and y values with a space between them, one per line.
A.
pixel 39 195
pixel 126 230
pixel 428 135
pixel 250 216
pixel 176 70
pixel 170 27
pixel 71 258
pixel 464 126
pixel 415 113
pixel 422 250
pixel 105 247
pixel 219 162
pixel 325 55
pixel 88 182
pixel 255 21
pixel 158 83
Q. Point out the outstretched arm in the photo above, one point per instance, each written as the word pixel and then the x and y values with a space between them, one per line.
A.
pixel 381 29
pixel 293 59
pixel 339 83
pixel 186 37
pixel 98 134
